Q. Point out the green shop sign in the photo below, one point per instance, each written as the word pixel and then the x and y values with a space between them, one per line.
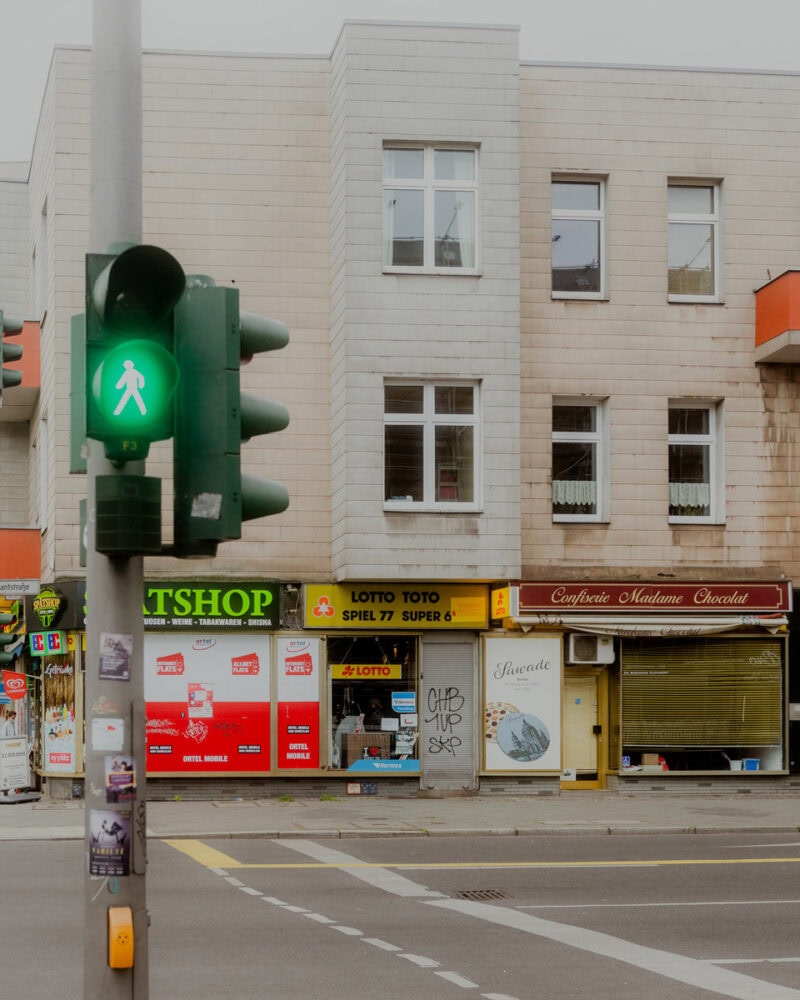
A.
pixel 180 605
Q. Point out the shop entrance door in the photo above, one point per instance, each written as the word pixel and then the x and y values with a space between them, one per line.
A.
pixel 585 725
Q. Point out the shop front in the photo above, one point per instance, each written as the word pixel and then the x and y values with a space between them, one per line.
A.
pixel 53 665
pixel 401 680
pixel 664 682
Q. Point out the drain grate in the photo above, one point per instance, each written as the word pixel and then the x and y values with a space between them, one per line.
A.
pixel 481 894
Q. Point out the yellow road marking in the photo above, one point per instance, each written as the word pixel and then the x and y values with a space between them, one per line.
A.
pixel 203 854
pixel 212 858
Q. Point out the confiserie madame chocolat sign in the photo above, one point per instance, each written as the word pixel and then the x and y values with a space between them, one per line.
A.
pixel 695 597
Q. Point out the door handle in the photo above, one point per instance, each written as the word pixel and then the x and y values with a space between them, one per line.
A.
pixel 597 730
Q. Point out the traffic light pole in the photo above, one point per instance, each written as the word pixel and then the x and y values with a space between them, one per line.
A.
pixel 115 908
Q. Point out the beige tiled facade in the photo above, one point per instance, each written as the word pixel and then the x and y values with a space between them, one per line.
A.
pixel 266 172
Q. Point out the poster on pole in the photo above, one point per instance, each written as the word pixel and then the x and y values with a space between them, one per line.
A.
pixel 522 704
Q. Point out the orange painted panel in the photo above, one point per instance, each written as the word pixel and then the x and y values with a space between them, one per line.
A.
pixel 20 553
pixel 778 307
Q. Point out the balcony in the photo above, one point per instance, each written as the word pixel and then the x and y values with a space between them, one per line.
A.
pixel 778 320
pixel 20 561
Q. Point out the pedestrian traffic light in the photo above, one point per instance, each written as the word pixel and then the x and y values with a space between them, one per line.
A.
pixel 131 371
pixel 212 418
pixel 9 352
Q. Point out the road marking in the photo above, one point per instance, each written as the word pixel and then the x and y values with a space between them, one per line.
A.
pixel 632 906
pixel 706 975
pixel 726 982
pixel 420 960
pixel 203 854
pixel 328 858
pixel 690 971
pixel 456 980
pixel 383 945
pixel 377 876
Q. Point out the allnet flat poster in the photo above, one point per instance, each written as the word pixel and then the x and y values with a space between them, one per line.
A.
pixel 207 703
pixel 298 703
pixel 522 704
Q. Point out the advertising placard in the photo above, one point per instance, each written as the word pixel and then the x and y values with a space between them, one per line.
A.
pixel 14 769
pixel 59 732
pixel 298 703
pixel 393 606
pixel 522 704
pixel 207 703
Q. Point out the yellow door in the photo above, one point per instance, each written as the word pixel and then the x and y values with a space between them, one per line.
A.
pixel 584 746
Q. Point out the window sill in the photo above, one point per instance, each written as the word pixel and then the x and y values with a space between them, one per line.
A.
pixel 462 272
pixel 411 507
pixel 708 521
pixel 702 300
pixel 579 296
pixel 580 519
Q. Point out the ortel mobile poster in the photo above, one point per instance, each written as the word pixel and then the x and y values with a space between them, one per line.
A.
pixel 522 704
pixel 207 703
pixel 298 703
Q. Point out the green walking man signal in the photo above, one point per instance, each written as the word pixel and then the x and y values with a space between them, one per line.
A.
pixel 131 372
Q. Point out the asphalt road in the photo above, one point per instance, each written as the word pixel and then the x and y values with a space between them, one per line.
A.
pixel 628 918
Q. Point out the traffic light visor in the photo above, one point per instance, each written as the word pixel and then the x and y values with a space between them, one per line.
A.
pixel 138 289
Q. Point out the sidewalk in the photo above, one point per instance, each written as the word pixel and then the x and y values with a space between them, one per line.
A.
pixel 359 816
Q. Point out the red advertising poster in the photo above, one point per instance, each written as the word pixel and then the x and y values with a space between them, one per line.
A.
pixel 207 703
pixel 298 703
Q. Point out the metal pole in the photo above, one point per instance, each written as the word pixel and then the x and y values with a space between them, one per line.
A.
pixel 115 862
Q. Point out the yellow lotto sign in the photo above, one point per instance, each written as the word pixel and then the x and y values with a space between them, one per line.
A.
pixel 396 606
pixel 366 671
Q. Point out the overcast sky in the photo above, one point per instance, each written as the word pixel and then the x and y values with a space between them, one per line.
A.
pixel 752 34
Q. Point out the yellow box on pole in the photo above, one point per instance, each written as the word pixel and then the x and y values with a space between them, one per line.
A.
pixel 120 937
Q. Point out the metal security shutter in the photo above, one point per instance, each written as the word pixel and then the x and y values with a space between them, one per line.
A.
pixel 447 712
pixel 702 693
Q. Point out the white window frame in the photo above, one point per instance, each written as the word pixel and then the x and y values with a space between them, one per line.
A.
pixel 583 215
pixel 429 420
pixel 600 437
pixel 715 441
pixel 429 185
pixel 712 219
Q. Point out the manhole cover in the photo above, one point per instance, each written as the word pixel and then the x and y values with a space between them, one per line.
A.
pixel 481 894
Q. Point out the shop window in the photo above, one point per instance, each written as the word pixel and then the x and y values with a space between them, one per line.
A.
pixel 693 242
pixel 695 462
pixel 430 196
pixel 430 445
pixel 580 455
pixel 577 238
pixel 702 704
pixel 373 698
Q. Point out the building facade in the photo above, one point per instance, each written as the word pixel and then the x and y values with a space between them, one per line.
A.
pixel 541 358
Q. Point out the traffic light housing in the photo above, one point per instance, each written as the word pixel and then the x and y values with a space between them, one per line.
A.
pixel 212 418
pixel 6 637
pixel 131 372
pixel 9 352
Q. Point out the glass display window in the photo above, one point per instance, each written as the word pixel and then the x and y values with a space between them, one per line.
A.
pixel 374 702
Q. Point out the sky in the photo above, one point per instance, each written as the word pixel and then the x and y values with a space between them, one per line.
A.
pixel 742 34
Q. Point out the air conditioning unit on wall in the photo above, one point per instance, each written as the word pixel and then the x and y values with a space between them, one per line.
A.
pixel 584 648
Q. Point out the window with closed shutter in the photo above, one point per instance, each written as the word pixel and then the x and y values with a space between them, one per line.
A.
pixel 703 693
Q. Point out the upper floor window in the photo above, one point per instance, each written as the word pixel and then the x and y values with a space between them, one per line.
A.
pixel 580 458
pixel 430 206
pixel 693 242
pixel 430 444
pixel 695 462
pixel 577 239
